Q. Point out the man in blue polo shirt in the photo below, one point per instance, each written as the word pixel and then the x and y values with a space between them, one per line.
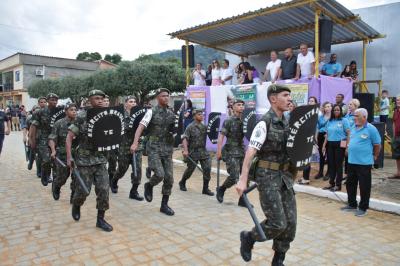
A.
pixel 363 149
pixel 333 68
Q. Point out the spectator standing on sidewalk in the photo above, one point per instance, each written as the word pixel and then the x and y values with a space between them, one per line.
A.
pixel 396 138
pixel 4 128
pixel 384 106
pixel 363 150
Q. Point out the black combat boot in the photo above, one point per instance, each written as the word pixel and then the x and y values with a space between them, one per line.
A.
pixel 246 245
pixel 148 192
pixel 148 172
pixel 101 223
pixel 164 206
pixel 44 179
pixel 76 212
pixel 114 186
pixel 182 184
pixel 278 259
pixel 220 193
pixel 206 190
pixel 56 191
pixel 134 194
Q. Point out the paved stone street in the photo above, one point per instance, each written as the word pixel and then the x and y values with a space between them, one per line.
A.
pixel 34 229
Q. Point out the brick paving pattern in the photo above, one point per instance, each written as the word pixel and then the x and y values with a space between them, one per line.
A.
pixel 35 229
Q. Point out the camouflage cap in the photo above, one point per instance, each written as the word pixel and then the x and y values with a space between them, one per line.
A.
pixel 237 101
pixel 108 97
pixel 96 92
pixel 197 111
pixel 158 91
pixel 69 105
pixel 277 88
pixel 42 98
pixel 52 95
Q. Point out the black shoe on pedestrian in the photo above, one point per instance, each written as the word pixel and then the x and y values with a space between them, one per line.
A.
pixel 164 206
pixel 134 194
pixel 76 212
pixel 114 186
pixel 56 192
pixel 182 185
pixel 148 172
pixel 101 223
pixel 220 194
pixel 148 192
pixel 246 245
pixel 330 187
pixel 319 175
pixel 278 259
pixel 30 165
pixel 44 179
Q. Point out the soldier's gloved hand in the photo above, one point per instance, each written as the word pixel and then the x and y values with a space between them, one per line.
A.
pixel 185 153
pixel 134 147
pixel 53 155
pixel 241 187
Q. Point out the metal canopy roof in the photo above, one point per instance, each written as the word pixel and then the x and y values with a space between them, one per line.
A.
pixel 278 27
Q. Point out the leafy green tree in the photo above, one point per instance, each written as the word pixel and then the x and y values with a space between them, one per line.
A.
pixel 115 58
pixel 86 56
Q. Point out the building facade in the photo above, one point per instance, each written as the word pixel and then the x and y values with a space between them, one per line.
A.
pixel 20 70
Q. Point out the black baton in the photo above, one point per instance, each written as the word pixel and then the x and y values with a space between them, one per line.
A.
pixel 134 164
pixel 218 166
pixel 26 153
pixel 198 167
pixel 246 201
pixel 76 173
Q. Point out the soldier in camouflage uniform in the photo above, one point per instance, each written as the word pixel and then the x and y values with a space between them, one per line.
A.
pixel 194 145
pixel 233 152
pixel 125 156
pixel 57 140
pixel 273 176
pixel 91 164
pixel 41 121
pixel 28 126
pixel 160 124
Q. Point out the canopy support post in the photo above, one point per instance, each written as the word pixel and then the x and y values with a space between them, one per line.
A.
pixel 187 64
pixel 316 39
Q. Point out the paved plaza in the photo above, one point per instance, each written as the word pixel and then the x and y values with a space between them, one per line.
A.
pixel 35 229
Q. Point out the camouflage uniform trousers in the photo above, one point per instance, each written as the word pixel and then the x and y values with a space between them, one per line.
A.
pixel 112 157
pixel 124 161
pixel 97 175
pixel 233 167
pixel 43 157
pixel 205 166
pixel 163 171
pixel 62 174
pixel 278 203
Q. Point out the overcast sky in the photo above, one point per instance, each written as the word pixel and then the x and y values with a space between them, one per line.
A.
pixel 64 28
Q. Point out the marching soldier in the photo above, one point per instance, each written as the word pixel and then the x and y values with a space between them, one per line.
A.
pixel 194 145
pixel 91 164
pixel 125 157
pixel 41 126
pixel 233 151
pixel 275 182
pixel 33 157
pixel 160 126
pixel 57 140
pixel 112 156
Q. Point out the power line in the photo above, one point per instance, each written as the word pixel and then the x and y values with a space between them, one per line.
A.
pixel 28 29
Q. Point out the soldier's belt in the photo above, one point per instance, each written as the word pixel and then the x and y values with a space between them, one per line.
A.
pixel 273 165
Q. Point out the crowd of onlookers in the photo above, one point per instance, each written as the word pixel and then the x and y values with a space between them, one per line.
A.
pixel 291 66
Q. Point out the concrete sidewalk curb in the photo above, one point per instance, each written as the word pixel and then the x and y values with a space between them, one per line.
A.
pixel 375 204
